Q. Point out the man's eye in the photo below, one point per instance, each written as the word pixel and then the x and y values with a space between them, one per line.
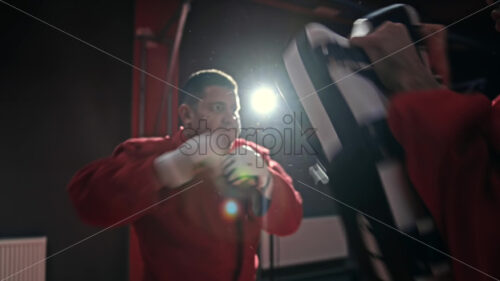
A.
pixel 218 107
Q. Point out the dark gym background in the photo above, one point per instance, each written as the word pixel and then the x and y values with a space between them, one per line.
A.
pixel 64 104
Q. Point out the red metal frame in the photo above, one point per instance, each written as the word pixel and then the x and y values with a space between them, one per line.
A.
pixel 151 16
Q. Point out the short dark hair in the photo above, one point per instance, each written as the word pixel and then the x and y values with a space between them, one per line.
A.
pixel 197 82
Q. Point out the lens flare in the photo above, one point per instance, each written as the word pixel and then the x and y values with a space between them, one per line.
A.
pixel 230 209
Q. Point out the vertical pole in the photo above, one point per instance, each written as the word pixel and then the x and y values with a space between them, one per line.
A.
pixel 173 62
pixel 142 86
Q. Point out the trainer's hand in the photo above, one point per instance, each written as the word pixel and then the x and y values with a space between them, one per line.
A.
pixel 247 170
pixel 395 59
pixel 437 48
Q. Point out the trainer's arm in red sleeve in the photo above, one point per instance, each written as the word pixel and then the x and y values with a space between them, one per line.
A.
pixel 443 135
pixel 118 189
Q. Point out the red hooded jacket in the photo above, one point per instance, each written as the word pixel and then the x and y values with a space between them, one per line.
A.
pixel 183 234
pixel 452 146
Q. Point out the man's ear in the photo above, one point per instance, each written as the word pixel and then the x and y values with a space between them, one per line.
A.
pixel 186 114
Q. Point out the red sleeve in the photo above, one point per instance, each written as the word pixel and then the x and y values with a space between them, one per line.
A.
pixel 285 211
pixel 116 190
pixel 444 138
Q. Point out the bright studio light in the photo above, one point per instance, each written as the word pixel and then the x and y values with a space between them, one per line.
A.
pixel 264 100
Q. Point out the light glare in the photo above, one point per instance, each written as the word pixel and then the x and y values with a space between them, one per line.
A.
pixel 264 100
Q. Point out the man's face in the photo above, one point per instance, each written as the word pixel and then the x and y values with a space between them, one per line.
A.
pixel 219 109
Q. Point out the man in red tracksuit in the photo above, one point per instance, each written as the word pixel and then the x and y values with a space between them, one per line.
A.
pixel 451 143
pixel 198 216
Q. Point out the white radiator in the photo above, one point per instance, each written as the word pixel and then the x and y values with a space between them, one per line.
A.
pixel 318 239
pixel 23 259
